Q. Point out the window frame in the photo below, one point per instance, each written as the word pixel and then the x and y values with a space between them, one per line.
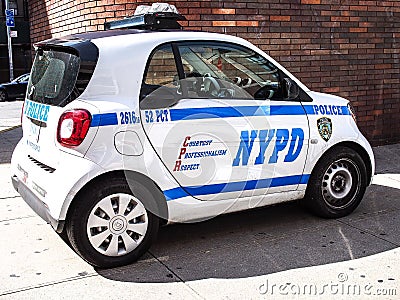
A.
pixel 148 63
pixel 221 44
pixel 303 96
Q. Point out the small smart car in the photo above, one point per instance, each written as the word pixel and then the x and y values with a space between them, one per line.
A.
pixel 128 129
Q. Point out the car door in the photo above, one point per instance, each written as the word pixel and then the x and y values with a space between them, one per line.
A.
pixel 215 114
pixel 21 86
pixel 14 87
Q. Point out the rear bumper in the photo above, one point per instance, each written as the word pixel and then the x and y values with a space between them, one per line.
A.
pixel 38 206
pixel 50 192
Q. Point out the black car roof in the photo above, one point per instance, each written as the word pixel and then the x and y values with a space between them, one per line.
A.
pixel 98 35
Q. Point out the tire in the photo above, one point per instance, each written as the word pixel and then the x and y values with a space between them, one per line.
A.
pixel 3 96
pixel 110 226
pixel 337 183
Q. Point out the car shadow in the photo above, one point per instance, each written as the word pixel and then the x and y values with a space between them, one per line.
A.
pixel 266 240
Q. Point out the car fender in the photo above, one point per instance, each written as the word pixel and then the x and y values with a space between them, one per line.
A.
pixel 344 130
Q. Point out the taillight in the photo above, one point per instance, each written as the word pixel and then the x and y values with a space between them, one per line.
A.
pixel 73 127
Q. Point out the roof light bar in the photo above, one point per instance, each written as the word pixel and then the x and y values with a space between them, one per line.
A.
pixel 155 8
pixel 157 16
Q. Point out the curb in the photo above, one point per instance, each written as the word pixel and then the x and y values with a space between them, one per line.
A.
pixel 10 128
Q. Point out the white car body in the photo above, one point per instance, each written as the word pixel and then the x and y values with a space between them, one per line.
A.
pixel 113 89
pixel 217 173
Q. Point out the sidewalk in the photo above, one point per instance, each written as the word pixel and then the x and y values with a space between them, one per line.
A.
pixel 10 116
pixel 252 255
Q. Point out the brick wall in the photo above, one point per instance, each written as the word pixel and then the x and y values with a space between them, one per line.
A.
pixel 349 48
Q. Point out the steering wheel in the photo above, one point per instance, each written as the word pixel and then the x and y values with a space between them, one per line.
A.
pixel 266 92
pixel 211 86
pixel 207 86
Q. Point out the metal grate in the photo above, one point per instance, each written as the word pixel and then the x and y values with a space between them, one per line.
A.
pixel 42 165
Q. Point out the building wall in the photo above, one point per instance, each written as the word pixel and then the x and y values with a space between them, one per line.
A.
pixel 21 44
pixel 350 48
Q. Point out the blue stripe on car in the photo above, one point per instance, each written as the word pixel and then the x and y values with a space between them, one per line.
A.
pixel 180 192
pixel 232 112
pixel 226 112
pixel 104 120
pixel 246 111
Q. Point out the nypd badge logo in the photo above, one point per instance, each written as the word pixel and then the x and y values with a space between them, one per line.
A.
pixel 325 128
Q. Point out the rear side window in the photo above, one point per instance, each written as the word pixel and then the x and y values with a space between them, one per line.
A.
pixel 160 87
pixel 53 77
pixel 162 68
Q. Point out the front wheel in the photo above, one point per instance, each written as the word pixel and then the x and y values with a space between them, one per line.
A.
pixel 337 183
pixel 111 226
pixel 3 96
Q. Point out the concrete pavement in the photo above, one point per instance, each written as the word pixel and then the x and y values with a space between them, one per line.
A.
pixel 275 252
pixel 10 114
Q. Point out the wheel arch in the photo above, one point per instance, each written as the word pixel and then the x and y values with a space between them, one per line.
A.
pixel 161 211
pixel 357 148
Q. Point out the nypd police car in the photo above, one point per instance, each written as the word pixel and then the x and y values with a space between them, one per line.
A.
pixel 145 124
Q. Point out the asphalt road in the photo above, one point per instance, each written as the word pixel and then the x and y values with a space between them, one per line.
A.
pixel 279 252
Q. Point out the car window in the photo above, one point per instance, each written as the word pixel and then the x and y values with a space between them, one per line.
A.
pixel 19 79
pixel 24 78
pixel 160 87
pixel 221 70
pixel 54 74
pixel 161 70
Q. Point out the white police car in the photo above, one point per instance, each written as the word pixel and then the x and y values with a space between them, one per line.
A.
pixel 124 130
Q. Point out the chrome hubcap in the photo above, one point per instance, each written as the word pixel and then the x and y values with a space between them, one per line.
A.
pixel 117 224
pixel 340 183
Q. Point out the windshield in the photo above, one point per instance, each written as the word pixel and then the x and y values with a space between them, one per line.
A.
pixel 53 77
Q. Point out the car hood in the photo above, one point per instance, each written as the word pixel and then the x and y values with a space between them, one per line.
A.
pixel 327 98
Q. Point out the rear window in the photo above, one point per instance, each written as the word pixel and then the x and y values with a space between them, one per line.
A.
pixel 53 77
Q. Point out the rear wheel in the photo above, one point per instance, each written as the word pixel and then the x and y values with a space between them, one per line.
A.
pixel 3 96
pixel 337 183
pixel 112 226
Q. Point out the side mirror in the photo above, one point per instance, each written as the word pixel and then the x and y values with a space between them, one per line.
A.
pixel 290 89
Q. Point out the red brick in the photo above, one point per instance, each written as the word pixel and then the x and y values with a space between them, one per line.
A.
pixel 247 23
pixel 310 1
pixel 279 18
pixel 339 19
pixel 359 29
pixel 224 11
pixel 224 23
